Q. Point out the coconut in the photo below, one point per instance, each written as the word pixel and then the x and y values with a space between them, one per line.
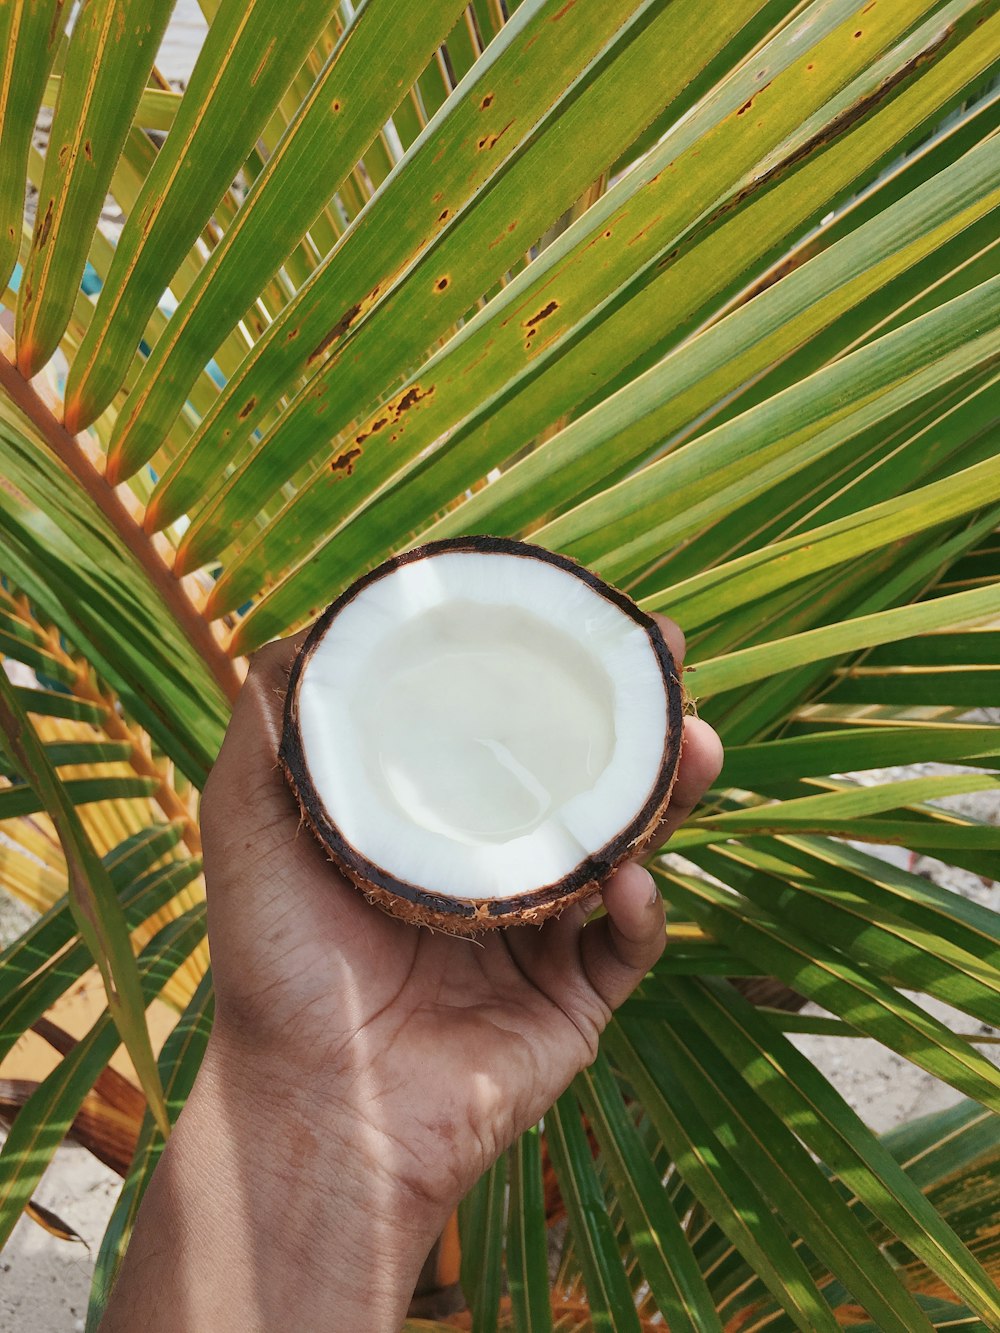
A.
pixel 479 731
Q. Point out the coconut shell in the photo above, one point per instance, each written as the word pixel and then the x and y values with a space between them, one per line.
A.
pixel 470 916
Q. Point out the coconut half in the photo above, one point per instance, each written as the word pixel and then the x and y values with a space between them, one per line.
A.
pixel 480 731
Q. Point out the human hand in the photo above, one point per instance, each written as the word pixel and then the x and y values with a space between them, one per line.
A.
pixel 387 1065
pixel 439 1050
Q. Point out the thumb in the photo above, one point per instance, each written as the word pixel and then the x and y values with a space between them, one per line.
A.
pixel 245 777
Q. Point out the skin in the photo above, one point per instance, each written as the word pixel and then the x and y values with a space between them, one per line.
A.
pixel 361 1072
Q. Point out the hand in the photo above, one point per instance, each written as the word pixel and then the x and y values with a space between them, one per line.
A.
pixel 441 1050
pixel 390 1065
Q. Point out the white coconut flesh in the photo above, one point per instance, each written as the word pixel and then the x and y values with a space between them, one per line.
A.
pixel 478 724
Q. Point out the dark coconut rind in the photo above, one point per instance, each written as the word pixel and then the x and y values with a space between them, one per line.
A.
pixel 471 916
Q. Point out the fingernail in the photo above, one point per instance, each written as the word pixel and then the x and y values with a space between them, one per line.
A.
pixel 654 892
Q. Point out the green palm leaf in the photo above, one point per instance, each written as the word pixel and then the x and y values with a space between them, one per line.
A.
pixel 654 1228
pixel 481 1225
pixel 706 297
pixel 93 114
pixel 611 1304
pixel 46 1116
pixel 526 1242
pixel 178 1063
pixel 92 898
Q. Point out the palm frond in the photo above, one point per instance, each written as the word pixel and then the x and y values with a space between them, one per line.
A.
pixel 706 298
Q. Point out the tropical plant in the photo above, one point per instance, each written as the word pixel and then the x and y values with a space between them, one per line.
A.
pixel 706 296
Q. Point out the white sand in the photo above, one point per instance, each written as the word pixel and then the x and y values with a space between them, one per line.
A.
pixel 44 1282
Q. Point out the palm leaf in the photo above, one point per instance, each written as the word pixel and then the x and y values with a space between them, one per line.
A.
pixel 481 1227
pixel 46 1116
pixel 526 1242
pixel 178 1064
pixel 92 898
pixel 705 298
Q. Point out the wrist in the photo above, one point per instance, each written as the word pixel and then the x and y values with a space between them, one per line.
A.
pixel 273 1212
pixel 319 1170
pixel 333 1124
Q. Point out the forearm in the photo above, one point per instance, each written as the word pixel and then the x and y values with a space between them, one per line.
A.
pixel 262 1216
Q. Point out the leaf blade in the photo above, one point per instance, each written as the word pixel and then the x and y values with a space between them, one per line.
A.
pixel 92 897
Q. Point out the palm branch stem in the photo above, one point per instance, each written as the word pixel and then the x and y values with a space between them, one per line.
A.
pixel 73 456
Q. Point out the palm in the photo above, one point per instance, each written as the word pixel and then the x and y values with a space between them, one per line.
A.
pixel 339 989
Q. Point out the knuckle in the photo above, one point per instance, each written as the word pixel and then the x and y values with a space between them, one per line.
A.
pixel 266 653
pixel 268 663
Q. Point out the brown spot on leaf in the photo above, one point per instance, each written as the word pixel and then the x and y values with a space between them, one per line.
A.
pixel 375 427
pixel 561 13
pixel 532 324
pixel 393 410
pixel 444 215
pixel 335 105
pixel 489 141
pixel 268 50
pixel 345 462
pixel 442 283
pixel 858 33
pixel 836 127
pixel 745 107
pixel 486 102
pixel 46 227
pixel 64 153
pixel 56 26
pixel 338 330
pixel 247 408
pixel 88 150
pixel 292 334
